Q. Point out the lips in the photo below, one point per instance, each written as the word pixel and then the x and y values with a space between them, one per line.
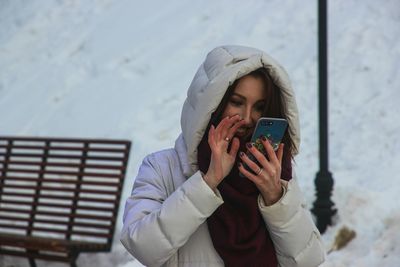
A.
pixel 243 131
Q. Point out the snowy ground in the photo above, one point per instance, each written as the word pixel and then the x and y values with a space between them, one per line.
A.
pixel 120 69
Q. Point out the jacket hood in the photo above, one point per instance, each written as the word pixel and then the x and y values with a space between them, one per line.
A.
pixel 222 66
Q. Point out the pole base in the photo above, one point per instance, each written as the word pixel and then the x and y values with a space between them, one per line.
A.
pixel 323 208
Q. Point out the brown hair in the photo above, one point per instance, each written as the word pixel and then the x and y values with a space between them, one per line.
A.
pixel 274 107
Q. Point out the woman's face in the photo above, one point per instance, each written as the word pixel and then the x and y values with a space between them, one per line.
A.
pixel 247 100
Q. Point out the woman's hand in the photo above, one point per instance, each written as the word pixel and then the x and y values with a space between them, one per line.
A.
pixel 219 138
pixel 267 178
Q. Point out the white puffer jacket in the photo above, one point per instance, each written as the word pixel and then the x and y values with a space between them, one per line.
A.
pixel 165 217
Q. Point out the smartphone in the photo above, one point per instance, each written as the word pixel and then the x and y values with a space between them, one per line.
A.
pixel 273 129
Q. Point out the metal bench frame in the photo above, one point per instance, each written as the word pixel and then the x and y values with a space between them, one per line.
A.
pixel 59 197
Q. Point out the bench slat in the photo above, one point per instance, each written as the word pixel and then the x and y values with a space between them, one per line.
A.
pixel 61 189
pixel 13 218
pixel 47 196
pixel 67 165
pixel 62 181
pixel 59 231
pixel 58 205
pixel 73 232
pixel 41 172
pixel 66 148
pixel 66 140
pixel 55 222
pixel 34 255
pixel 59 214
pixel 50 244
pixel 30 155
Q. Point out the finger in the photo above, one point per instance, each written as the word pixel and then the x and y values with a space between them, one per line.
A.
pixel 211 136
pixel 220 128
pixel 280 153
pixel 226 129
pixel 234 147
pixel 270 150
pixel 259 156
pixel 236 126
pixel 254 178
pixel 250 163
pixel 274 169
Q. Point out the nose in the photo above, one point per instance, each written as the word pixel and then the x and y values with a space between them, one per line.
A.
pixel 248 116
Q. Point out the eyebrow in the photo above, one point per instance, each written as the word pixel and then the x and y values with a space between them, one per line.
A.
pixel 244 98
pixel 238 95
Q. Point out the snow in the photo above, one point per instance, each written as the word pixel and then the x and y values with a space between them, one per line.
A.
pixel 120 69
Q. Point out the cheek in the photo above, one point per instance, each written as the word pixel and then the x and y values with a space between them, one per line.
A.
pixel 229 111
pixel 256 115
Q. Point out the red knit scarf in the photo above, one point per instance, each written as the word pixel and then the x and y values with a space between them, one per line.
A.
pixel 237 229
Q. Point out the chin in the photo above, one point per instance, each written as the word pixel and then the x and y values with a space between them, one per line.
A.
pixel 240 135
pixel 244 136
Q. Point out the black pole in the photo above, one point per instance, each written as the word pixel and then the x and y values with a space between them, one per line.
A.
pixel 323 206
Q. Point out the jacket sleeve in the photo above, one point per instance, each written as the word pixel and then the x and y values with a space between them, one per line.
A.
pixel 297 240
pixel 157 225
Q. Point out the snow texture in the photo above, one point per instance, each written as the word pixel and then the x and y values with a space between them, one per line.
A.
pixel 120 69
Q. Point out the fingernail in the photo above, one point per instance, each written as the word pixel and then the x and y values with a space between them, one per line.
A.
pixel 249 145
pixel 241 154
pixel 264 138
pixel 240 164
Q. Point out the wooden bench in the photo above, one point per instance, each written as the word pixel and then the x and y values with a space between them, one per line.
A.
pixel 59 197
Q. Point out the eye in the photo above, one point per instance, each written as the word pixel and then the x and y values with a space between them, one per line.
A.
pixel 235 102
pixel 259 107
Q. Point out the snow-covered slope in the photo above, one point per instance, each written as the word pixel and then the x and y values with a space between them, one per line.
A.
pixel 120 69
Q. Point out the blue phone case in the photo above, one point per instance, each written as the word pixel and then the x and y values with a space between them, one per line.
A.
pixel 273 129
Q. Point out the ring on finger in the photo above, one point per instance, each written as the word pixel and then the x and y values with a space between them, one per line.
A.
pixel 259 171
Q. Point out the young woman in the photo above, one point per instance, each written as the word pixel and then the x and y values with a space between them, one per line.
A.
pixel 196 204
